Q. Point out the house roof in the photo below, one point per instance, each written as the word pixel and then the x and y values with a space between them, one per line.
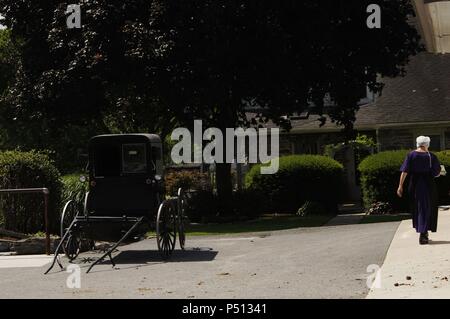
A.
pixel 422 96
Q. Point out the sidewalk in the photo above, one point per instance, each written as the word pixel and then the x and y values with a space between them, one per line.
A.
pixel 24 261
pixel 414 271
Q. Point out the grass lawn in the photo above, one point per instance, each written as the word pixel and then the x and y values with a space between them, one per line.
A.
pixel 369 219
pixel 267 223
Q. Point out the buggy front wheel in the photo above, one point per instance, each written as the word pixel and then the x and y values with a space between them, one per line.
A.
pixel 72 244
pixel 166 223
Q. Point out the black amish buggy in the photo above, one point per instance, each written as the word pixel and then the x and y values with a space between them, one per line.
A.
pixel 125 199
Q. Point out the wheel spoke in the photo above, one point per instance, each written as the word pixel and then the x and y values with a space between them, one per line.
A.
pixel 167 227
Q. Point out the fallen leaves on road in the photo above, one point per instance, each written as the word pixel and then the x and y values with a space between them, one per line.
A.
pixel 401 284
pixel 144 290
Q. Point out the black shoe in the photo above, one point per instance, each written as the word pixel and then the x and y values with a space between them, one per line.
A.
pixel 423 239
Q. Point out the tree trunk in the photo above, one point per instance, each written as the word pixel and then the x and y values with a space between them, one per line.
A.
pixel 224 187
pixel 227 119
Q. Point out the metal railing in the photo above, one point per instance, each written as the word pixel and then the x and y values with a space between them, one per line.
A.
pixel 44 191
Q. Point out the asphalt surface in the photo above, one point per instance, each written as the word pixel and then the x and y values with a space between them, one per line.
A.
pixel 323 262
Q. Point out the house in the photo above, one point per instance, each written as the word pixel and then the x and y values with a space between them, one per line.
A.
pixel 417 104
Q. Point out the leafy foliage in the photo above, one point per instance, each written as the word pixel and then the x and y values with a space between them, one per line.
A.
pixel 73 189
pixel 380 208
pixel 312 208
pixel 202 206
pixel 300 178
pixel 443 182
pixel 8 56
pixel 188 180
pixel 25 212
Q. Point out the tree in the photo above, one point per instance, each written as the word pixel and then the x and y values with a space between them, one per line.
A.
pixel 169 61
pixel 8 60
pixel 72 85
pixel 279 55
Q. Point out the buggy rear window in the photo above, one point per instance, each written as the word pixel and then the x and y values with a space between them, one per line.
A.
pixel 107 161
pixel 134 158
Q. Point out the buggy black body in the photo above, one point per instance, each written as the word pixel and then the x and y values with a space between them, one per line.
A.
pixel 125 180
pixel 125 198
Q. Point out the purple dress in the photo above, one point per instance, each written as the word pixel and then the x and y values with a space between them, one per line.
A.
pixel 422 168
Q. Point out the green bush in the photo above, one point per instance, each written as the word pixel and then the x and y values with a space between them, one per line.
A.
pixel 73 189
pixel 202 206
pixel 188 180
pixel 25 212
pixel 380 208
pixel 380 175
pixel 443 182
pixel 300 178
pixel 443 153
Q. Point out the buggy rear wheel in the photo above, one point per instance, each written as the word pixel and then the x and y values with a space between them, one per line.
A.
pixel 166 223
pixel 181 218
pixel 72 244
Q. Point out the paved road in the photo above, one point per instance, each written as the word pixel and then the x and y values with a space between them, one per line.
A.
pixel 325 262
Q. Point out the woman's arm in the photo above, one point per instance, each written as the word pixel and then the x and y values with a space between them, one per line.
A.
pixel 436 166
pixel 400 185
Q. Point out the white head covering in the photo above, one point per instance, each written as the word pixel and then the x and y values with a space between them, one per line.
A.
pixel 423 141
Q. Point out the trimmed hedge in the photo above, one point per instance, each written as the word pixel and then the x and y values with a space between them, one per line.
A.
pixel 25 212
pixel 443 182
pixel 204 207
pixel 300 178
pixel 380 174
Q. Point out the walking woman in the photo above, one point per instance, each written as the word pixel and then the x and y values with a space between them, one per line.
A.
pixel 422 167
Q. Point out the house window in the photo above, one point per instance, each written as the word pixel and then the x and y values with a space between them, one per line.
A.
pixel 106 161
pixel 435 144
pixel 305 147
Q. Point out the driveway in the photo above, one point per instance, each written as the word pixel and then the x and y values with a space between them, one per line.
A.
pixel 322 262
